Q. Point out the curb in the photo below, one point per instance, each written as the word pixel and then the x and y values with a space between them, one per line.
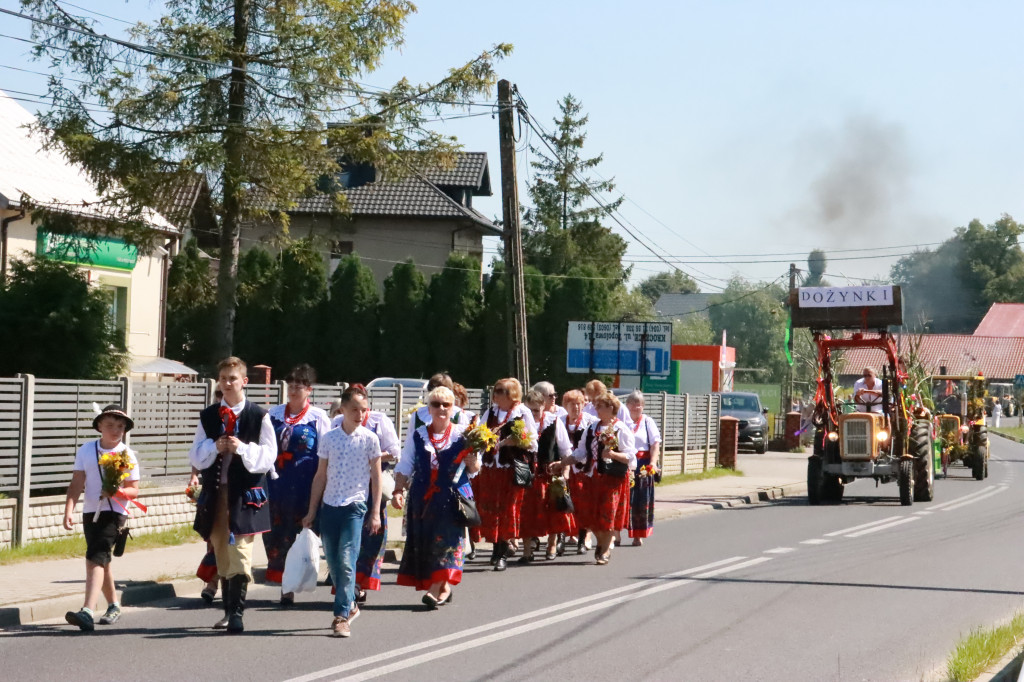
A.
pixel 1015 439
pixel 759 496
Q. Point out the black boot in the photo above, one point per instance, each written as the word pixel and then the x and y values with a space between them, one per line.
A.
pixel 225 597
pixel 496 552
pixel 238 586
pixel 500 564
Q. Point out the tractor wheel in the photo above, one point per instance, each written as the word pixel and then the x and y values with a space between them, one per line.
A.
pixel 924 469
pixel 980 436
pixel 815 480
pixel 979 463
pixel 832 489
pixel 906 482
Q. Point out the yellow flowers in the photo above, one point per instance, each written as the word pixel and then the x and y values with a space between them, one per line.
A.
pixel 192 493
pixel 115 467
pixel 479 438
pixel 521 435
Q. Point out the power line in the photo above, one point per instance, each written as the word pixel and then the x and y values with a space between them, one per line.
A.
pixel 709 306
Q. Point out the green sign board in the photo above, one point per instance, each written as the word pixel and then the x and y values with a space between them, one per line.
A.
pixel 101 252
pixel 669 384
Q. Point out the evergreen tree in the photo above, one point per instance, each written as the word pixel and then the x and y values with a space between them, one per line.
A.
pixel 190 302
pixel 403 339
pixel 454 299
pixel 303 293
pixel 259 308
pixel 351 319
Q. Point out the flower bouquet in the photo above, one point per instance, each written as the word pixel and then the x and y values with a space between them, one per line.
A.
pixel 479 438
pixel 609 442
pixel 192 493
pixel 521 436
pixel 115 467
pixel 649 471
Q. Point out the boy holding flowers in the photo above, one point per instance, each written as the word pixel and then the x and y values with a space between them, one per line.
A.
pixel 109 474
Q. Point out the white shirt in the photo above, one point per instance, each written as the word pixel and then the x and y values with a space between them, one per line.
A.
pixel 622 416
pixel 348 465
pixel 382 427
pixel 560 412
pixel 561 435
pixel 408 462
pixel 647 428
pixel 85 460
pixel 624 435
pixel 861 384
pixel 585 421
pixel 258 457
pixel 314 415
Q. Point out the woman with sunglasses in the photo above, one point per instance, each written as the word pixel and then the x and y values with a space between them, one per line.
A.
pixel 438 464
pixel 541 518
pixel 608 454
pixel 299 428
pixel 499 499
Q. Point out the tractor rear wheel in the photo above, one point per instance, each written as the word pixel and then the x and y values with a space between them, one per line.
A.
pixel 924 468
pixel 815 480
pixel 979 463
pixel 906 481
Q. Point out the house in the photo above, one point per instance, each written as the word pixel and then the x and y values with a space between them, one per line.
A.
pixel 1002 319
pixel 423 217
pixel 137 281
pixel 680 305
pixel 998 358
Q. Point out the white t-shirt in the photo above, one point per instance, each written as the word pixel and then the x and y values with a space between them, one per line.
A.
pixel 348 465
pixel 647 428
pixel 382 427
pixel 85 460
pixel 861 384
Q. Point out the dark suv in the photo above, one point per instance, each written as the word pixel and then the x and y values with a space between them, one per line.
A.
pixel 753 418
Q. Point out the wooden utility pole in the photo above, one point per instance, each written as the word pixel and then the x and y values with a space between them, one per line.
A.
pixel 518 354
pixel 790 382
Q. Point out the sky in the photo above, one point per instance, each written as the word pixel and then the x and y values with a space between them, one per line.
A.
pixel 740 131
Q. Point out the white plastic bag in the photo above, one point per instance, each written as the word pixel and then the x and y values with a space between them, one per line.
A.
pixel 302 565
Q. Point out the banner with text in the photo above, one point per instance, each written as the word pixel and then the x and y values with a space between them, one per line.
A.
pixel 643 348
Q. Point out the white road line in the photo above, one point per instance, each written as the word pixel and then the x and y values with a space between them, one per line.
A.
pixel 936 507
pixel 923 513
pixel 780 550
pixel 979 498
pixel 528 627
pixel 814 541
pixel 905 519
pixel 412 648
pixel 863 525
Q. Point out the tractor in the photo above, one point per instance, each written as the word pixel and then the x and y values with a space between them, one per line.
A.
pixel 889 440
pixel 960 422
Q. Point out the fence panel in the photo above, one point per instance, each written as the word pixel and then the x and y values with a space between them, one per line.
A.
pixel 10 432
pixel 264 395
pixel 62 422
pixel 166 416
pixel 673 430
pixel 325 394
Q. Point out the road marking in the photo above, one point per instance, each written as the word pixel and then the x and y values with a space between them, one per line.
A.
pixel 863 525
pixel 814 541
pixel 923 513
pixel 412 648
pixel 936 507
pixel 905 519
pixel 979 498
pixel 780 550
pixel 529 627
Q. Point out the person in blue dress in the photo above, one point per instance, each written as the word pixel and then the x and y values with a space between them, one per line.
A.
pixel 436 460
pixel 298 428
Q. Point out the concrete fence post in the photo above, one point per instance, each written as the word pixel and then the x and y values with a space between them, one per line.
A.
pixel 399 422
pixel 28 407
pixel 686 429
pixel 664 431
pixel 126 402
pixel 707 434
pixel 282 392
pixel 211 391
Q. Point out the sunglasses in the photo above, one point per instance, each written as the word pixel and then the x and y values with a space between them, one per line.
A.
pixel 498 391
pixel 437 404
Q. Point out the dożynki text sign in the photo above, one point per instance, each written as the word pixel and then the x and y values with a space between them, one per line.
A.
pixel 844 297
pixel 643 348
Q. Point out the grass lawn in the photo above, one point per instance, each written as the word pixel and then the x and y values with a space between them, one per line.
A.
pixel 717 472
pixel 1015 431
pixel 983 647
pixel 74 545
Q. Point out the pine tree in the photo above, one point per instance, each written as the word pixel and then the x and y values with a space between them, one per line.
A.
pixel 259 307
pixel 303 293
pixel 403 339
pixel 351 319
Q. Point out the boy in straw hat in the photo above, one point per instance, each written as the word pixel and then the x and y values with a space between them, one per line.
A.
pixel 103 514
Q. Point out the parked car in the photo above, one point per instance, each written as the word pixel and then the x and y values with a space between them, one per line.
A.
pixel 753 426
pixel 391 382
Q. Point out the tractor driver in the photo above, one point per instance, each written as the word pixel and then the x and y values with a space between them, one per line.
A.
pixel 867 392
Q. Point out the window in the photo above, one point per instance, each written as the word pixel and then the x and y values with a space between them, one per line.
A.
pixel 118 310
pixel 340 249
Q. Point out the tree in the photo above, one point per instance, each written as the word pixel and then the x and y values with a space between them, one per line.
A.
pixel 259 307
pixel 454 301
pixel 60 326
pixel 816 263
pixel 191 296
pixel 303 292
pixel 675 282
pixel 242 91
pixel 755 321
pixel 403 332
pixel 351 320
pixel 693 330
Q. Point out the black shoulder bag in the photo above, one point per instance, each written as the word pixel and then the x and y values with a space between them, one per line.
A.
pixel 466 513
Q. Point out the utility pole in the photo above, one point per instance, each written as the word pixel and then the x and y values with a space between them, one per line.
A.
pixel 790 384
pixel 518 354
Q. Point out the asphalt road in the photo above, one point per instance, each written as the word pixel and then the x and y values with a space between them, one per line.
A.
pixel 867 590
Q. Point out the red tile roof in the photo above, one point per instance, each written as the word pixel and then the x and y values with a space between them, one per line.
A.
pixel 996 357
pixel 1002 319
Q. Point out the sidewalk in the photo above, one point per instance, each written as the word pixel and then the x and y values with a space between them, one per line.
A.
pixel 41 590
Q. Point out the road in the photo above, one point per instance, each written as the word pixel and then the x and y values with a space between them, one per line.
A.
pixel 867 590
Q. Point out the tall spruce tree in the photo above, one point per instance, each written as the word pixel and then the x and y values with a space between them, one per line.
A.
pixel 352 323
pixel 403 320
pixel 454 301
pixel 241 91
pixel 259 308
pixel 303 293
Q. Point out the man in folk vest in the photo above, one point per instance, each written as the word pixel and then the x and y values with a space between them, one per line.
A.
pixel 234 448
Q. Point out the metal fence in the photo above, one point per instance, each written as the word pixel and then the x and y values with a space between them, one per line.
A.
pixel 43 422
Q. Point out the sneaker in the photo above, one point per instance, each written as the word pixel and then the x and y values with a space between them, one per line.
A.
pixel 83 619
pixel 353 614
pixel 113 612
pixel 340 628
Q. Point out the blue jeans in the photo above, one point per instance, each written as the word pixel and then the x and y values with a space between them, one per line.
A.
pixel 341 531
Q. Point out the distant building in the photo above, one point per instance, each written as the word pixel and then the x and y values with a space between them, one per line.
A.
pixel 679 305
pixel 1002 319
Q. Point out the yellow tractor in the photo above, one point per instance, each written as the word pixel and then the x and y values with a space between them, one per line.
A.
pixel 960 422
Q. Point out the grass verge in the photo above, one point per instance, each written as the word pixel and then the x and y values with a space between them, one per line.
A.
pixel 1015 431
pixel 74 545
pixel 717 472
pixel 984 646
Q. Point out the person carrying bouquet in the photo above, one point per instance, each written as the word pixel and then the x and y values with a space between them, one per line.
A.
pixel 108 472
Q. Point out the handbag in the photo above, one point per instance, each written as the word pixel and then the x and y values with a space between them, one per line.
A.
pixel 558 495
pixel 522 476
pixel 123 533
pixel 612 467
pixel 466 513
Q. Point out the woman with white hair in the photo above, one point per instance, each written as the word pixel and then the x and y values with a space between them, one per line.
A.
pixel 435 459
pixel 647 440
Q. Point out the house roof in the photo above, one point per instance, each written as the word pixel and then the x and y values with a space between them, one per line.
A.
pixel 1002 319
pixel 179 196
pixel 470 171
pixel 996 357
pixel 46 176
pixel 677 305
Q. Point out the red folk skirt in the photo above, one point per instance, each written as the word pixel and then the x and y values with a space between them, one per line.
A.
pixel 540 516
pixel 500 503
pixel 605 503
